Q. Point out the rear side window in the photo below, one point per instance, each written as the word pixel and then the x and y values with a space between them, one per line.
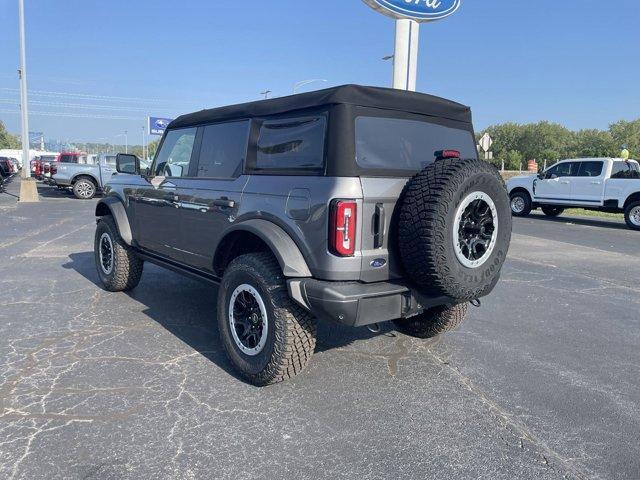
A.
pixel 224 148
pixel 590 169
pixel 402 144
pixel 625 170
pixel 68 159
pixel 292 144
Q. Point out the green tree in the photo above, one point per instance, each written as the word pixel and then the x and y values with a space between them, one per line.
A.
pixel 6 139
pixel 594 143
pixel 513 160
pixel 626 133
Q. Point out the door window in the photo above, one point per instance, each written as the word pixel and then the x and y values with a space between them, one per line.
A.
pixel 626 170
pixel 174 157
pixel 566 169
pixel 223 151
pixel 590 169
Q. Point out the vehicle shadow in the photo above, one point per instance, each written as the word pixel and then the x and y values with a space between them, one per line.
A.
pixel 593 222
pixel 186 308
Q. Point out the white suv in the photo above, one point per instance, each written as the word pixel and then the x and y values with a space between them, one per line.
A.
pixel 605 184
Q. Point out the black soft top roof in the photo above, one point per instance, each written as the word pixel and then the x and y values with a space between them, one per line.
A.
pixel 376 97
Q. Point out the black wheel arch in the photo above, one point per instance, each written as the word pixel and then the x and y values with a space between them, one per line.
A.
pixel 113 206
pixel 258 235
pixel 634 197
pixel 521 190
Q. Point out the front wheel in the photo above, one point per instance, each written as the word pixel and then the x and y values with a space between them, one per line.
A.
pixel 520 204
pixel 632 215
pixel 266 335
pixel 119 268
pixel 433 322
pixel 551 211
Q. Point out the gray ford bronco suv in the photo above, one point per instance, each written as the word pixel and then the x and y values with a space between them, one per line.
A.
pixel 355 205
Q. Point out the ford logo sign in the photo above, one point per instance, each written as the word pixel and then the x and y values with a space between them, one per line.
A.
pixel 418 10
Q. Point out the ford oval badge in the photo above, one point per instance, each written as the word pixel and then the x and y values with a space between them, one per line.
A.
pixel 418 10
pixel 378 263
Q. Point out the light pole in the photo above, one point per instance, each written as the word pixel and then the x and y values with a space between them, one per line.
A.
pixel 306 82
pixel 126 140
pixel 143 142
pixel 266 94
pixel 28 188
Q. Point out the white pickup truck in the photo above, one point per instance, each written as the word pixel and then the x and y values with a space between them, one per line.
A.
pixel 605 184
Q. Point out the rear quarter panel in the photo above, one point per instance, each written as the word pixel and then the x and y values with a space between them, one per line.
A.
pixel 300 206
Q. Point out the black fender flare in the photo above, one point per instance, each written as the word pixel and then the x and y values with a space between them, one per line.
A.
pixel 115 207
pixel 279 242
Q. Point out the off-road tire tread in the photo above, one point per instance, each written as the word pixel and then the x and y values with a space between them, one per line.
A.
pixel 423 231
pixel 433 322
pixel 294 345
pixel 127 267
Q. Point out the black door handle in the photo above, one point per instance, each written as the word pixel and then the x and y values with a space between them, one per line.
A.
pixel 224 202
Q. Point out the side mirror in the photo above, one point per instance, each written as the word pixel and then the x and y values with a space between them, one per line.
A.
pixel 541 176
pixel 127 163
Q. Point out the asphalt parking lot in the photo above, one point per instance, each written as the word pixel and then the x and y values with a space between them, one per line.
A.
pixel 542 382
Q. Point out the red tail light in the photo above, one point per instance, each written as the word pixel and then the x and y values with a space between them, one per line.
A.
pixel 342 227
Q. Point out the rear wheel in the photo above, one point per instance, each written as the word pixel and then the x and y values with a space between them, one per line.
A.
pixel 267 336
pixel 84 189
pixel 632 215
pixel 433 322
pixel 520 204
pixel 551 211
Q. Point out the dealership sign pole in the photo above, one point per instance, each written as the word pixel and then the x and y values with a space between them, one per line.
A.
pixel 409 14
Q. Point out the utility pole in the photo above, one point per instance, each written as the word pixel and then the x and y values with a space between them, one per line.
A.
pixel 28 188
pixel 126 142
pixel 266 94
pixel 143 142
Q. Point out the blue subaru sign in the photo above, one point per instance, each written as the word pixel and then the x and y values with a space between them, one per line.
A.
pixel 418 10
pixel 157 125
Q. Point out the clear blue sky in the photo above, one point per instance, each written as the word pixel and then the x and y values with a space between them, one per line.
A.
pixel 576 62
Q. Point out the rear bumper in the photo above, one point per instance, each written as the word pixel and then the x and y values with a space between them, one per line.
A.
pixel 357 304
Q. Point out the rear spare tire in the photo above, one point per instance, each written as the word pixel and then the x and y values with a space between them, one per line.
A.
pixel 455 228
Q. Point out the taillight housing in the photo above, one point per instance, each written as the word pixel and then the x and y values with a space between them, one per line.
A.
pixel 342 227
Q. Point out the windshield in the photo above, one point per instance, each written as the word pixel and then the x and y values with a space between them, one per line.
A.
pixel 400 144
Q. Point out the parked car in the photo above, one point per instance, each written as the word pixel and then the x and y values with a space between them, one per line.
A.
pixel 6 167
pixel 85 180
pixel 37 164
pixel 602 184
pixel 355 205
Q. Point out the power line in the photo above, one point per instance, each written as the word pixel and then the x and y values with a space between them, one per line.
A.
pixel 87 96
pixel 76 105
pixel 75 115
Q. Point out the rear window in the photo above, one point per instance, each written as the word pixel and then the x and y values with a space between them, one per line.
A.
pixel 292 144
pixel 110 160
pixel 401 144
